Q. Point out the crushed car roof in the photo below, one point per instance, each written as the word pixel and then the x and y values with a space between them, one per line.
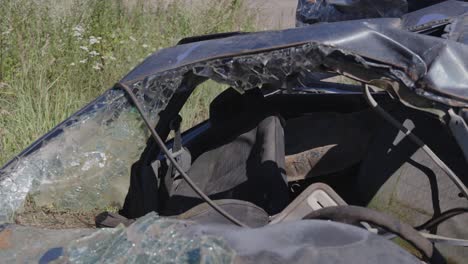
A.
pixel 393 48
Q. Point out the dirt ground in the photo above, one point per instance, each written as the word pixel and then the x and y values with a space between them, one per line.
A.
pixel 275 14
pixel 49 217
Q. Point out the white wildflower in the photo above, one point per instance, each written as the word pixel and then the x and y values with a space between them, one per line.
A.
pixel 99 38
pixel 132 38
pixel 77 34
pixel 84 48
pixel 112 58
pixel 121 42
pixel 78 31
pixel 78 28
pixel 97 66
pixel 72 64
pixel 83 61
pixel 94 53
pixel 93 40
pixel 145 46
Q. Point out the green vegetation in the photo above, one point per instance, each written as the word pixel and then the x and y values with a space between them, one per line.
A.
pixel 196 109
pixel 55 56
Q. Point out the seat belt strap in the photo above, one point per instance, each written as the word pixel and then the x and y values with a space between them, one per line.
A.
pixel 174 125
pixel 182 156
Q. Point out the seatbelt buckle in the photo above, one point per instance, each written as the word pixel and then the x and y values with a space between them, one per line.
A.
pixel 177 153
pixel 183 158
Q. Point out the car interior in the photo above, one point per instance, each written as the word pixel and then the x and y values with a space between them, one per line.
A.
pixel 272 158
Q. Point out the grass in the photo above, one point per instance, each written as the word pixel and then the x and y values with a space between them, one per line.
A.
pixel 196 109
pixel 55 56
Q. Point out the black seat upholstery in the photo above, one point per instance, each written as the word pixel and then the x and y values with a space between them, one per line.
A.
pixel 241 156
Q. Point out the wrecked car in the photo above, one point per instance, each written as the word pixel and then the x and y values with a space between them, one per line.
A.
pixel 294 163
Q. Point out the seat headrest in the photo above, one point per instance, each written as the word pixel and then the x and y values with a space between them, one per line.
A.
pixel 230 104
pixel 225 105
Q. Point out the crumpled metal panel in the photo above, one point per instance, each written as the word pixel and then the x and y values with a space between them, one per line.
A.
pixel 458 30
pixel 383 42
pixel 449 70
pixel 445 10
pixel 315 11
pixel 421 12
